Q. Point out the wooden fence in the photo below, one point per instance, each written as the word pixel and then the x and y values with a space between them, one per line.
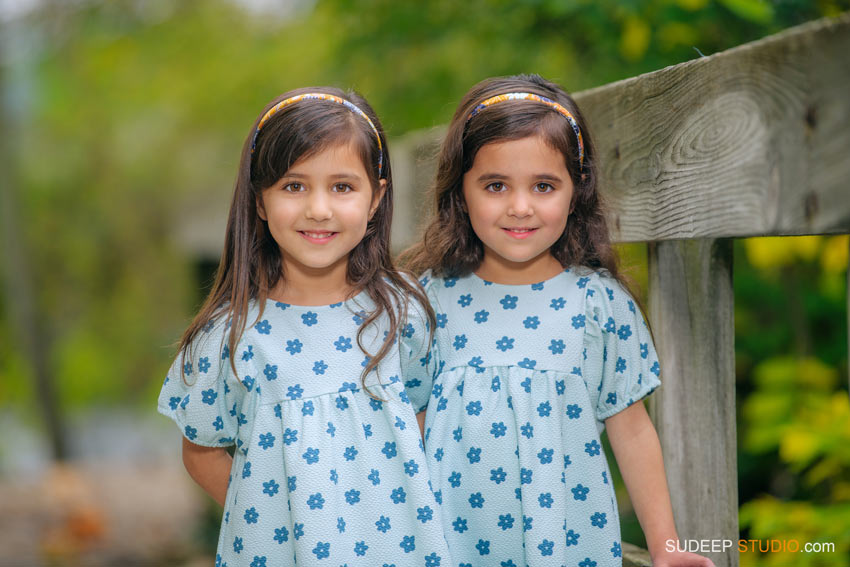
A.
pixel 753 141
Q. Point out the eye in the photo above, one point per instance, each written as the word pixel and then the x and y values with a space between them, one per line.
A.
pixel 293 187
pixel 543 188
pixel 496 187
pixel 342 188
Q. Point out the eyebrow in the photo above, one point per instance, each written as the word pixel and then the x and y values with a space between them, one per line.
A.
pixel 501 177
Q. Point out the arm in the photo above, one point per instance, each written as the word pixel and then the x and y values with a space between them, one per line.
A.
pixel 638 453
pixel 420 418
pixel 209 467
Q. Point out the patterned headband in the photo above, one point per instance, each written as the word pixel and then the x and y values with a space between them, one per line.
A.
pixel 541 99
pixel 321 96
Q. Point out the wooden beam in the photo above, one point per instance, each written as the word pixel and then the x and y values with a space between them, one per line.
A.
pixel 691 304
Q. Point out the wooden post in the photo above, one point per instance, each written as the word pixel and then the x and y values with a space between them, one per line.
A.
pixel 691 309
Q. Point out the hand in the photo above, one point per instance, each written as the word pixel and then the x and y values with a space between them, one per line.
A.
pixel 680 559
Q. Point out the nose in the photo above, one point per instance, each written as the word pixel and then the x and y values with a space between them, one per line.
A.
pixel 519 205
pixel 318 206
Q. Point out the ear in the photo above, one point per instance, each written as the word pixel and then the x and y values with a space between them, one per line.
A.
pixel 377 196
pixel 261 209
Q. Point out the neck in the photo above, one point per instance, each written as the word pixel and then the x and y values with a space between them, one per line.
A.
pixel 497 269
pixel 304 285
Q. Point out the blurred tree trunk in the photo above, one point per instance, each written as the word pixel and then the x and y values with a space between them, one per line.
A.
pixel 18 285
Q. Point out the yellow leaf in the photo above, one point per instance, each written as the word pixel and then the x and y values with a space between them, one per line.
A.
pixel 798 447
pixel 807 247
pixel 635 38
pixel 769 252
pixel 834 256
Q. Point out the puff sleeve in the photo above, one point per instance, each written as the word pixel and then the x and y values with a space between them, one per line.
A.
pixel 205 400
pixel 620 362
pixel 420 364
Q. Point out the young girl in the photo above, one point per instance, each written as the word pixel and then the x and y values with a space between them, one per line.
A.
pixel 294 359
pixel 538 345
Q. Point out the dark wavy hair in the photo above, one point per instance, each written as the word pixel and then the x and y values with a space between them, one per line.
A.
pixel 251 263
pixel 449 246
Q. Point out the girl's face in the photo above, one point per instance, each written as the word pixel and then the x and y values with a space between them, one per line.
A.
pixel 318 211
pixel 518 196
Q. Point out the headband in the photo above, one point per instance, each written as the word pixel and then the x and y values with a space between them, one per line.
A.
pixel 543 100
pixel 321 96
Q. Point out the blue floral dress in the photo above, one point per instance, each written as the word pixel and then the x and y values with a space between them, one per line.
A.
pixel 521 380
pixel 323 474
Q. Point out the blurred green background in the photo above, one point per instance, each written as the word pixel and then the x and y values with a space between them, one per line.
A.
pixel 122 124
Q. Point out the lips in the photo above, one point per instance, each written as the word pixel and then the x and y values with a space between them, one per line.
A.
pixel 519 232
pixel 318 236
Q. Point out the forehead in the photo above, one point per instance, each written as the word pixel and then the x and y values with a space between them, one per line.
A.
pixel 531 155
pixel 338 158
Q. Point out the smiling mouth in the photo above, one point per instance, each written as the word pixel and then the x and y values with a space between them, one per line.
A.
pixel 316 236
pixel 519 232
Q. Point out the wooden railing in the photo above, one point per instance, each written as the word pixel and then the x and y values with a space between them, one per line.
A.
pixel 753 141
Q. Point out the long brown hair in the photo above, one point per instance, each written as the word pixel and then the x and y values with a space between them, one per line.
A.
pixel 449 246
pixel 251 264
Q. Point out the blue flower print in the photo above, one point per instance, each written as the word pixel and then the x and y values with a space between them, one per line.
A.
pixel 459 525
pixel 644 350
pixel 359 318
pixel 187 369
pixel 399 423
pixel 457 434
pixel 592 448
pixel 367 430
pixel 360 548
pixel 291 483
pixel 476 500
pixel 476 363
pixel 449 282
pixel 498 475
pixel 483 547
pixel 582 282
pixel 454 479
pixel 498 429
pixel 572 538
pixel 225 352
pixel 481 316
pixel 473 408
pixel 611 399
pixel 266 440
pixel 297 530
pixel 560 387
pixel 334 476
pixel 408 543
pixel 509 301
pixel 259 561
pixel 526 523
pixel 495 384
pixel 526 385
pixel 352 496
pixel 545 456
pixel 558 303
pixel 459 342
pixel 531 322
pixel 624 332
pixel 655 369
pixel 610 325
pixel 442 319
pixel 474 455
pixel 545 500
pixel 599 519
pixel 263 327
pixel 544 409
pixel 568 462
pixel 311 455
pixel 408 331
pixel 616 549
pixel 319 367
pixel 209 396
pixel 527 430
pixel 341 403
pixel 218 423
pixel 342 344
pixel 375 477
pixel 295 392
pixel 537 286
pixel 190 432
pixel 557 346
pixel 174 402
pixel 307 408
pixel 249 383
pixel 204 364
pixel 293 347
pixel 424 514
pixel 271 487
pixel 527 363
pixel 504 344
pixel 411 468
pixel 246 469
pixel 237 545
pixel 350 453
pixel 309 318
pixel 281 535
pixel 610 293
pixel 525 475
pixel 546 547
pixel 465 300
pixel 316 501
pixel 376 405
pixel 573 411
pixel 578 321
pixel 271 372
pixel 389 449
pixel 251 515
pixel 248 354
pixel 383 524
pixel 621 364
pixel 580 492
pixel 322 550
pixel 290 436
pixel 506 521
pixel 433 560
